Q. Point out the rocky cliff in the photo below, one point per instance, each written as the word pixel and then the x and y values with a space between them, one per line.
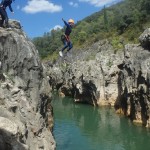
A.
pixel 102 75
pixel 25 111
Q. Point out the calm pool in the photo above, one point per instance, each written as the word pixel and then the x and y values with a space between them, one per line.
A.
pixel 84 127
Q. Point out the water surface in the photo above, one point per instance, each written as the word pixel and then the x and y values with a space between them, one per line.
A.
pixel 84 127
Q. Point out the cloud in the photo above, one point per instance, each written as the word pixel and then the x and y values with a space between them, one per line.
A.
pixel 57 27
pixel 73 4
pixel 100 3
pixel 35 6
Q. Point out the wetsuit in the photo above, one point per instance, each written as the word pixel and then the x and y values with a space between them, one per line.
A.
pixel 3 12
pixel 66 41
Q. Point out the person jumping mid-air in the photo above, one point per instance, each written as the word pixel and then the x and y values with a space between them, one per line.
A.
pixel 65 38
pixel 3 12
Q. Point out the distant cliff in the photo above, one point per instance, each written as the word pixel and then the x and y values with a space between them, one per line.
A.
pixel 25 111
pixel 102 75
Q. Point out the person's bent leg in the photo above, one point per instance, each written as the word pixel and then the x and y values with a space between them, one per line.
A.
pixel 2 13
pixel 65 46
pixel 70 45
pixel 2 21
pixel 6 20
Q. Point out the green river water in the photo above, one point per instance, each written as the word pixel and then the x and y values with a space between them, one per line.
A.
pixel 84 127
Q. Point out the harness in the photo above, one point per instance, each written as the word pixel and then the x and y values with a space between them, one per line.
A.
pixel 64 38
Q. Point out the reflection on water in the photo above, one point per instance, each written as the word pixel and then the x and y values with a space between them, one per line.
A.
pixel 84 127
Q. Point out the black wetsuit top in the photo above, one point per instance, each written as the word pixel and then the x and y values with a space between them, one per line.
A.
pixel 6 3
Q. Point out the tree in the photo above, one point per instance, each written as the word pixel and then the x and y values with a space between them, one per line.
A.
pixel 82 37
pixel 105 19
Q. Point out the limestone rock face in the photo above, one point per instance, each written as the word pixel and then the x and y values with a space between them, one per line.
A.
pixel 25 111
pixel 145 39
pixel 134 84
pixel 102 75
pixel 87 80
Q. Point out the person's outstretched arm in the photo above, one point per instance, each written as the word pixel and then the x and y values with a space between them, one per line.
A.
pixel 65 23
pixel 10 8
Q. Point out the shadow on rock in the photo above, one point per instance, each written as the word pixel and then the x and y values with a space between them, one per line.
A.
pixel 8 141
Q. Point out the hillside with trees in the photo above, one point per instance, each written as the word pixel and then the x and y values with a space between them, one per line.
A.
pixel 120 24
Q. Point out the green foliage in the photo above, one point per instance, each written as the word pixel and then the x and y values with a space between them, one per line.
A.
pixel 52 57
pixel 105 19
pixel 82 37
pixel 49 43
pixel 116 43
pixel 125 20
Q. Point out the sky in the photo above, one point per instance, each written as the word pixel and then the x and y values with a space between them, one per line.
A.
pixel 41 16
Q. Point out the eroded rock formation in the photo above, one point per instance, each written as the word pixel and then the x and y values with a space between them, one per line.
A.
pixel 25 111
pixel 119 78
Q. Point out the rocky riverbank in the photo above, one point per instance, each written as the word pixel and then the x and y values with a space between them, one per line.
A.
pixel 101 75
